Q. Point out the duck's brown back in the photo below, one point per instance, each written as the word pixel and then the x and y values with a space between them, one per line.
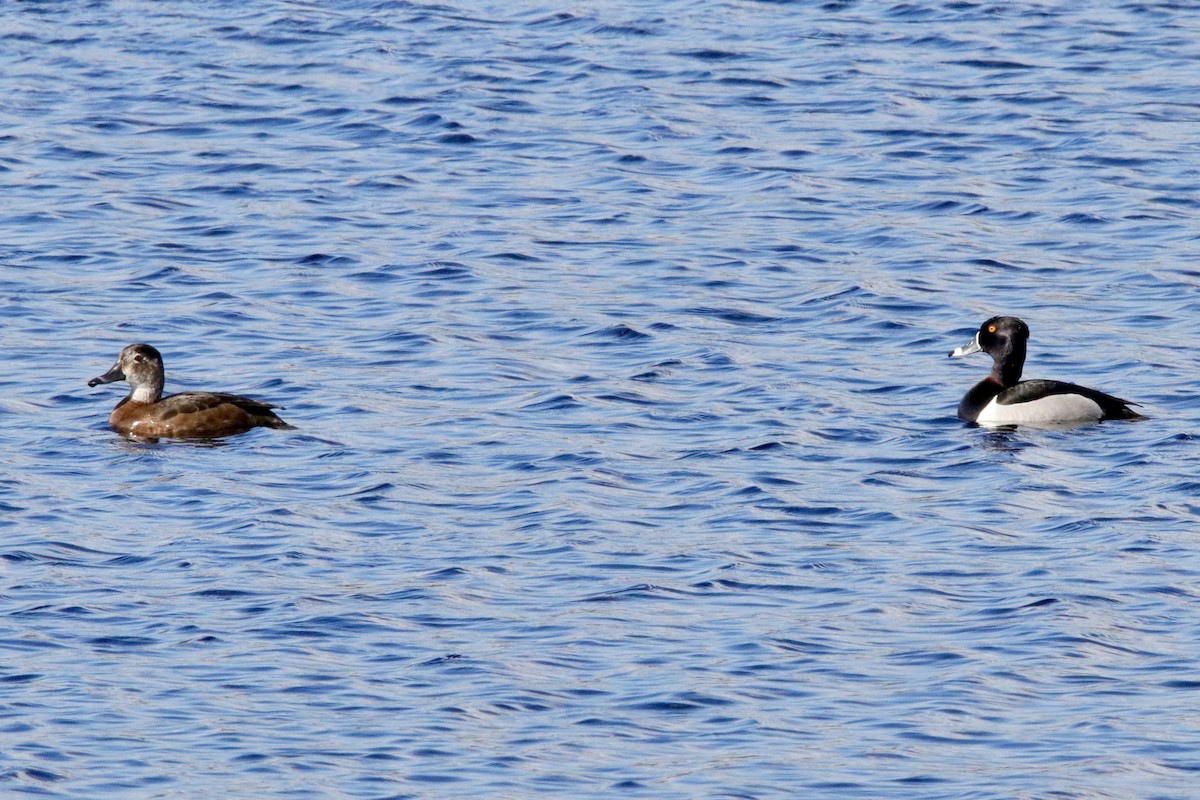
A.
pixel 194 415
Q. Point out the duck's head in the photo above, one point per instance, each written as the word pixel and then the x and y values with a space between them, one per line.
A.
pixel 142 366
pixel 997 336
pixel 1002 338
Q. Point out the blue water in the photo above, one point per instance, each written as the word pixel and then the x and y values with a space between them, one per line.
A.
pixel 615 336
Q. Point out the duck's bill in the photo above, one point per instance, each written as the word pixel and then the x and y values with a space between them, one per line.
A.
pixel 968 348
pixel 114 374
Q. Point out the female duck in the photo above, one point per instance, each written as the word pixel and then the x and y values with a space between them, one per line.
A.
pixel 1002 398
pixel 145 413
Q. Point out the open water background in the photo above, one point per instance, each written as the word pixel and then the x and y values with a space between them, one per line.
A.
pixel 615 335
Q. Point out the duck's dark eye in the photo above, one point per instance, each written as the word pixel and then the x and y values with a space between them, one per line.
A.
pixel 138 359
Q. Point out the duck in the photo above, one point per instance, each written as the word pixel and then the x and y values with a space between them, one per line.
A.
pixel 1002 398
pixel 146 414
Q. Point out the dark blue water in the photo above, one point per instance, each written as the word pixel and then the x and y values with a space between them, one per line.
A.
pixel 615 336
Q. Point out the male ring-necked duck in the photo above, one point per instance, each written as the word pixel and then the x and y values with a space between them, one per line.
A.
pixel 145 413
pixel 1002 398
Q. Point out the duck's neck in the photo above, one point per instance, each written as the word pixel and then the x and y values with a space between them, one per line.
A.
pixel 1009 363
pixel 146 392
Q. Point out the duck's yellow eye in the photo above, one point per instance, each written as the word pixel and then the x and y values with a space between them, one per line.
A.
pixel 991 328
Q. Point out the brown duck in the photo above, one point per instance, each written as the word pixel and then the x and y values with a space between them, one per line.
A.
pixel 146 414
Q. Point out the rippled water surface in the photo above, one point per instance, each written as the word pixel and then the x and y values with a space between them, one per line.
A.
pixel 615 336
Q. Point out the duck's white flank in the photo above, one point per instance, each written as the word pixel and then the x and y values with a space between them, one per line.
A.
pixel 1055 408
